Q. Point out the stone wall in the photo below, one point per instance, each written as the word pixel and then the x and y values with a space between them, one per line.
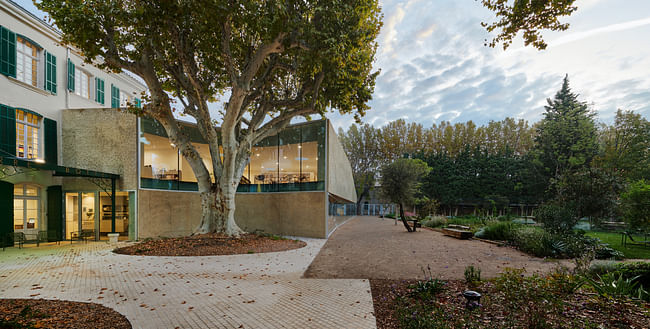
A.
pixel 166 213
pixel 104 140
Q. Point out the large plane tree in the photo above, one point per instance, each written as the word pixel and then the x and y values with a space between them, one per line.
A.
pixel 269 60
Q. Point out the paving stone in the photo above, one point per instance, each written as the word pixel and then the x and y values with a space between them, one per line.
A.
pixel 253 291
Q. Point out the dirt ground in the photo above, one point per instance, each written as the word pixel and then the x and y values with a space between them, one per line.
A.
pixel 375 248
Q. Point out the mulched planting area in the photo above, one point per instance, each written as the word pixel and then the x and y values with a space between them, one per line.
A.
pixel 42 313
pixel 395 300
pixel 211 245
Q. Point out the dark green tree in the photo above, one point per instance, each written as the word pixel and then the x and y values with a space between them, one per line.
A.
pixel 636 205
pixel 626 146
pixel 567 135
pixel 400 182
pixel 275 60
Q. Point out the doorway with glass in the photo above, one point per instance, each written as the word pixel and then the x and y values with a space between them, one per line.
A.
pixel 89 214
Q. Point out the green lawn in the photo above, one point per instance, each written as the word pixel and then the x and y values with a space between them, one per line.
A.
pixel 614 241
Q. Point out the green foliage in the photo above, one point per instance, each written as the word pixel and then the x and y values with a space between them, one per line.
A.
pixel 591 191
pixel 400 180
pixel 616 285
pixel 527 16
pixel 472 274
pixel 434 221
pixel 626 146
pixel 567 135
pixel 426 290
pixel 636 205
pixel 500 231
pixel 558 219
pixel 613 240
pixel 638 271
pixel 391 216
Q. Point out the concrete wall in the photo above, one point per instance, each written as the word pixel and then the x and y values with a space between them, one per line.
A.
pixel 102 140
pixel 165 213
pixel 339 173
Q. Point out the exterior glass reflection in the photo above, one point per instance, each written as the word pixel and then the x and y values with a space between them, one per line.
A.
pixel 293 160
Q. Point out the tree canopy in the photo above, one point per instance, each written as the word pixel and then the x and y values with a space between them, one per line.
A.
pixel 270 60
pixel 527 16
pixel 400 181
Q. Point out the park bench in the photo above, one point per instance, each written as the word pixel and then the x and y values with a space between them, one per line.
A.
pixel 414 223
pixel 458 227
pixel 627 235
pixel 457 233
pixel 83 235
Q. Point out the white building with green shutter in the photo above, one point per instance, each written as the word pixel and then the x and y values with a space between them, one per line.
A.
pixel 39 80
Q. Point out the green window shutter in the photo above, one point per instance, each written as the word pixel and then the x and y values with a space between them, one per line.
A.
pixel 7 52
pixel 54 213
pixel 115 97
pixel 138 103
pixel 6 213
pixel 50 73
pixel 70 75
pixel 49 135
pixel 7 131
pixel 99 91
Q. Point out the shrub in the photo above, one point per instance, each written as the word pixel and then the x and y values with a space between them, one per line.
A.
pixel 435 221
pixel 392 216
pixel 616 285
pixel 472 274
pixel 535 241
pixel 640 270
pixel 557 218
pixel 427 289
pixel 502 231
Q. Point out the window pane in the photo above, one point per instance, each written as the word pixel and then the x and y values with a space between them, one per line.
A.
pixel 313 151
pixel 121 213
pixel 160 158
pixel 18 214
pixel 32 214
pixel 31 190
pixel 264 162
pixel 18 189
pixel 290 156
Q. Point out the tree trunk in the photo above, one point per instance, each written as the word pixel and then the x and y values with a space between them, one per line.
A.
pixel 401 214
pixel 218 212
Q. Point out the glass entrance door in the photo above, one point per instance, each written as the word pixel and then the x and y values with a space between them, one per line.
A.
pixel 80 213
pixel 71 214
pixel 88 212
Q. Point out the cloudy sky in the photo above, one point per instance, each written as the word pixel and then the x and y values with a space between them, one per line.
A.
pixel 435 68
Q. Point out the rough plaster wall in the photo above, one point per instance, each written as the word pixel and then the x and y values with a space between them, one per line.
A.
pixel 164 213
pixel 339 173
pixel 102 140
pixel 295 213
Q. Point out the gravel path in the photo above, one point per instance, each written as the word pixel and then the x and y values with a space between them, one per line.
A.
pixel 374 248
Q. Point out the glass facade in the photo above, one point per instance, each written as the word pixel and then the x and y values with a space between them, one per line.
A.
pixel 293 160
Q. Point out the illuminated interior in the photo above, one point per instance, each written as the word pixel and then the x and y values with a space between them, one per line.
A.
pixel 291 160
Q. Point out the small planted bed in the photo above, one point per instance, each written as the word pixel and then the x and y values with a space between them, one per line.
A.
pixel 211 245
pixel 512 300
pixel 42 313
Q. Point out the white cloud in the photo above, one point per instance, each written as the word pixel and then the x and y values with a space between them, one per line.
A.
pixel 605 29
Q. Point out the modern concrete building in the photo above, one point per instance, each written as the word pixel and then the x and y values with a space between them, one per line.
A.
pixel 71 161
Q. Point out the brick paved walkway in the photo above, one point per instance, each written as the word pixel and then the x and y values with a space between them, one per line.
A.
pixel 242 291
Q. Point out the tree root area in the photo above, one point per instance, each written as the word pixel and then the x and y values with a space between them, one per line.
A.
pixel 43 313
pixel 212 244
